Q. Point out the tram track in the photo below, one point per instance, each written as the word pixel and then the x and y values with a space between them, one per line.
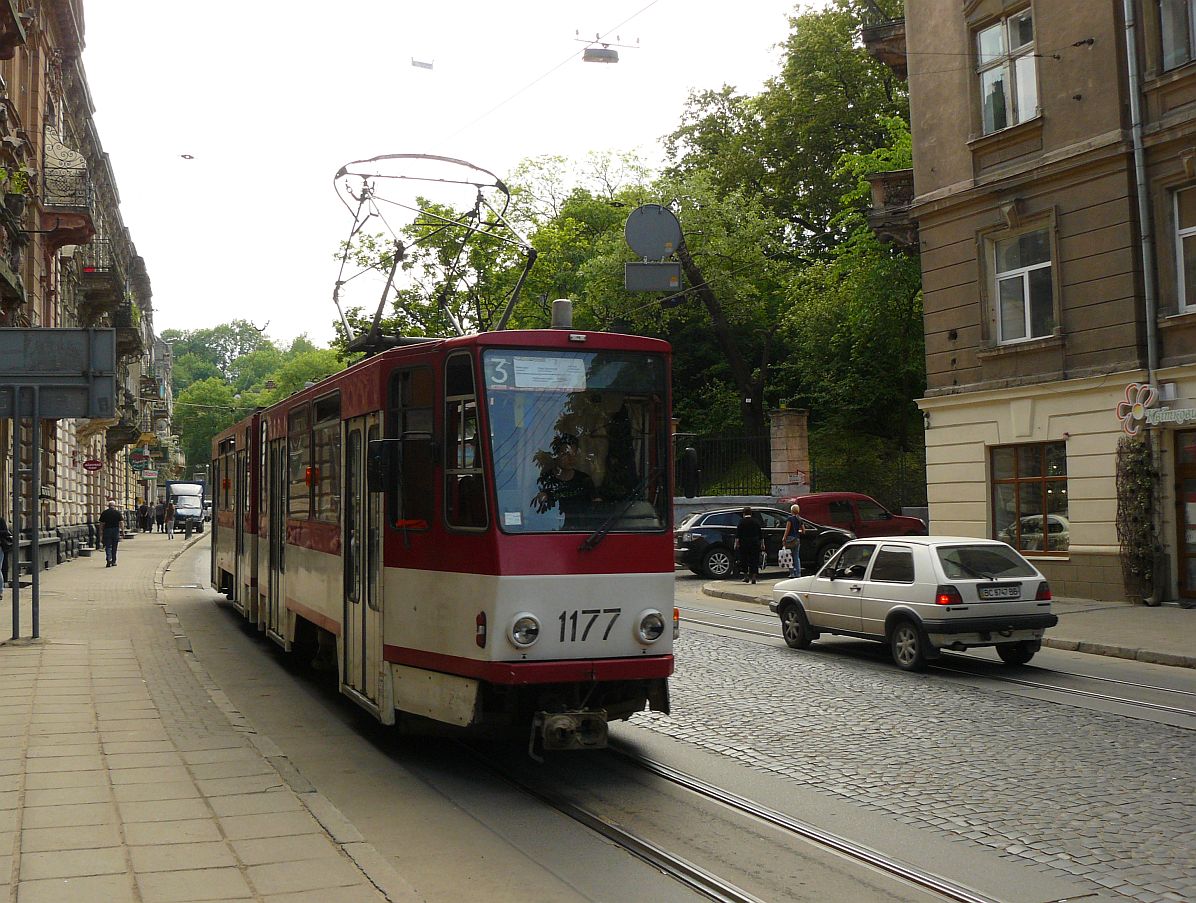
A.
pixel 945 665
pixel 925 884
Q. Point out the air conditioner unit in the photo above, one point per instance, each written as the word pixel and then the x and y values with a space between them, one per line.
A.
pixel 1168 392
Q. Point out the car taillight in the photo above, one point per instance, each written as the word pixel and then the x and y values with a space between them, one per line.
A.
pixel 947 595
pixel 1044 592
pixel 676 623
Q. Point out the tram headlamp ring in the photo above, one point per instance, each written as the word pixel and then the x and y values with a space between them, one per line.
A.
pixel 651 626
pixel 525 629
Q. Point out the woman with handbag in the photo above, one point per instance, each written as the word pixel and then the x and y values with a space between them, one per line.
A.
pixel 794 528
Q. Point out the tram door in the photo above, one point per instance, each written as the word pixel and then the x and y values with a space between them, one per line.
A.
pixel 276 530
pixel 362 559
pixel 241 488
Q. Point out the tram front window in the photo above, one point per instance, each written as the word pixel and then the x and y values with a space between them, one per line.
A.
pixel 578 439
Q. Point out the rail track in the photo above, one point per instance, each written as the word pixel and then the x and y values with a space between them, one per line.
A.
pixel 951 661
pixel 702 880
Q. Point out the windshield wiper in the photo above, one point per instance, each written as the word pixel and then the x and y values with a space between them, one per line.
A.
pixel 600 534
pixel 976 572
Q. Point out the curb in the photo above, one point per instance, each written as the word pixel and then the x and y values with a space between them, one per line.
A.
pixel 1108 649
pixel 372 864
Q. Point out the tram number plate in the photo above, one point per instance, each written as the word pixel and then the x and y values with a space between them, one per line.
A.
pixel 578 624
pixel 1009 591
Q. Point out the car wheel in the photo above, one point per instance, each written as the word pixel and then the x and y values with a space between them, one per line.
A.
pixel 908 646
pixel 1017 653
pixel 717 563
pixel 795 628
pixel 825 554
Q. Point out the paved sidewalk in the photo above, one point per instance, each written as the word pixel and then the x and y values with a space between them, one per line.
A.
pixel 125 775
pixel 1165 635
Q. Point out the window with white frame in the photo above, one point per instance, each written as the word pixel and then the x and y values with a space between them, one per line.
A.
pixel 1007 69
pixel 1177 28
pixel 1185 246
pixel 1024 290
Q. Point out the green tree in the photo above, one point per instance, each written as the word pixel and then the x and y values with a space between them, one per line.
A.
pixel 299 370
pixel 784 145
pixel 201 411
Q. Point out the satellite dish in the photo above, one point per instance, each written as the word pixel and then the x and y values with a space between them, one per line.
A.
pixel 652 231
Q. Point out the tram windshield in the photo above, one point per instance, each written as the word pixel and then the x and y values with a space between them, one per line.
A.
pixel 579 440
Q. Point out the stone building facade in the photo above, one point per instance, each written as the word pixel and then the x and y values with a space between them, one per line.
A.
pixel 67 260
pixel 1058 250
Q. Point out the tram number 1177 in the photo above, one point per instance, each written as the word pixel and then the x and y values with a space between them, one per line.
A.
pixel 586 618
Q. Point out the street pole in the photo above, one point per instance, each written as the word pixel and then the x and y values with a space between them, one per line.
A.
pixel 14 564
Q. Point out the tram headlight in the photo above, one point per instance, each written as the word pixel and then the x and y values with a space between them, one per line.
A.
pixel 651 626
pixel 525 630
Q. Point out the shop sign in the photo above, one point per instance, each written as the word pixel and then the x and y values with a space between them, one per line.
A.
pixel 92 465
pixel 1140 408
pixel 149 474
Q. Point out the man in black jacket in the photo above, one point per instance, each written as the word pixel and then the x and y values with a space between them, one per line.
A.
pixel 110 521
pixel 749 542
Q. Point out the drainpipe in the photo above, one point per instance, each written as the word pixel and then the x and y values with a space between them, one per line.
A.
pixel 1140 185
pixel 1162 565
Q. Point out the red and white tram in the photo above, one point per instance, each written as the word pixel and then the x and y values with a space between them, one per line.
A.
pixel 482 525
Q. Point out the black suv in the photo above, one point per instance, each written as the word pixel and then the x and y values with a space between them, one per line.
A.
pixel 704 542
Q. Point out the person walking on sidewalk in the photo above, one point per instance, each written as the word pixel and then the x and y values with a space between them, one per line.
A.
pixel 168 519
pixel 6 545
pixel 110 522
pixel 749 542
pixel 160 515
pixel 143 517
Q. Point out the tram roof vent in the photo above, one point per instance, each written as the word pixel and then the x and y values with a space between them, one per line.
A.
pixel 562 314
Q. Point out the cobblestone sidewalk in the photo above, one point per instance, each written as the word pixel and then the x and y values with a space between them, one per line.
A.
pixel 126 776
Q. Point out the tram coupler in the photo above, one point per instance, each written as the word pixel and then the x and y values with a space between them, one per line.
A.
pixel 568 730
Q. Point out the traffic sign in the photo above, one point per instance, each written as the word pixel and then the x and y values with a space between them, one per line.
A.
pixel 92 465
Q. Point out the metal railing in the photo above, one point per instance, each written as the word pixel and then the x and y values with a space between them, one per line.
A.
pixel 102 255
pixel 67 187
pixel 731 465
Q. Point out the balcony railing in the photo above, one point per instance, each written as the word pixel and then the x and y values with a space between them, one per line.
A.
pixel 67 187
pixel 103 255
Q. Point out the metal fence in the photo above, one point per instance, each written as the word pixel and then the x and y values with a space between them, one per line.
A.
pixel 731 465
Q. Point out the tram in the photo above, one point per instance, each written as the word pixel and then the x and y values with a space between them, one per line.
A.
pixel 479 527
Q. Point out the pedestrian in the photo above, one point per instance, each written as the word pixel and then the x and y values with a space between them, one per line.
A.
pixel 6 545
pixel 143 516
pixel 168 519
pixel 795 528
pixel 110 523
pixel 160 516
pixel 749 542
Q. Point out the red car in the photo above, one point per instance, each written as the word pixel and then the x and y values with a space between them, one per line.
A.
pixel 854 511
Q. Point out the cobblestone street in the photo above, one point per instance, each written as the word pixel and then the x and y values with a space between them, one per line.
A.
pixel 1097 796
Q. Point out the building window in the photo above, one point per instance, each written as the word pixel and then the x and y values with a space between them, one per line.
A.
pixel 1185 246
pixel 1007 71
pixel 1024 288
pixel 1029 493
pixel 1177 20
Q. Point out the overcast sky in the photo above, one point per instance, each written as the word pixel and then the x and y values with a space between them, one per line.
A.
pixel 269 98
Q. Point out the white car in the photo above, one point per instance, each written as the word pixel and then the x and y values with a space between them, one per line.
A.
pixel 920 595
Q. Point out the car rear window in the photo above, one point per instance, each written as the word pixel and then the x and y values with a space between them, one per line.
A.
pixel 983 562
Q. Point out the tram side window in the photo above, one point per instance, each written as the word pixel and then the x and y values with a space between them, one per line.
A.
pixel 299 464
pixel 410 500
pixel 326 459
pixel 464 488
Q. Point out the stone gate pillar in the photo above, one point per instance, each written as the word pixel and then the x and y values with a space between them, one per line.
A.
pixel 790 436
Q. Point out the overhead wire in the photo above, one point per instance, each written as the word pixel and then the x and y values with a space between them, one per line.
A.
pixel 572 56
